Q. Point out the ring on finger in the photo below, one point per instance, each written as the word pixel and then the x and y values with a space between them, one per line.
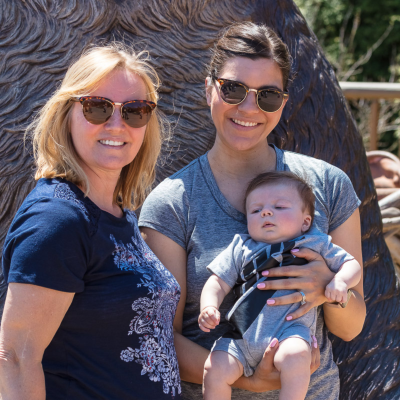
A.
pixel 303 298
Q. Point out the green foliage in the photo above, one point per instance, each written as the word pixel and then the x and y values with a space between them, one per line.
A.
pixel 347 30
pixel 361 39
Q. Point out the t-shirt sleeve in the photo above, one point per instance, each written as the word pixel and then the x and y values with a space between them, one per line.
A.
pixel 341 197
pixel 166 210
pixel 47 246
pixel 334 255
pixel 228 263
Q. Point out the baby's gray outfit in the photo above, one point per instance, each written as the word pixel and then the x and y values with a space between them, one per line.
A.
pixel 271 322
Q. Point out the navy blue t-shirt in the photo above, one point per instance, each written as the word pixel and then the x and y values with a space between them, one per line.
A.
pixel 116 339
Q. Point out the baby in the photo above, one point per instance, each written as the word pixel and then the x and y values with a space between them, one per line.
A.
pixel 280 210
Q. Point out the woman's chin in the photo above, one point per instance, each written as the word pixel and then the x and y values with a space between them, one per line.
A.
pixel 245 146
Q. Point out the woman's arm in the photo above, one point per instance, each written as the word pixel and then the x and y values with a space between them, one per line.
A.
pixel 313 278
pixel 32 315
pixel 348 322
pixel 191 356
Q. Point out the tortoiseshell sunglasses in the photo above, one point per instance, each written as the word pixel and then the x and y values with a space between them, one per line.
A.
pixel 269 100
pixel 98 110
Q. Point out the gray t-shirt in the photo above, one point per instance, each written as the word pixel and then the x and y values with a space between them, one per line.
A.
pixel 190 209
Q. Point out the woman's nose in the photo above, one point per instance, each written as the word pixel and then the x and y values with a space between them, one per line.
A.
pixel 249 104
pixel 116 122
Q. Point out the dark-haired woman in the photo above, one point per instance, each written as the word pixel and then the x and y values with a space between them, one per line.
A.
pixel 193 215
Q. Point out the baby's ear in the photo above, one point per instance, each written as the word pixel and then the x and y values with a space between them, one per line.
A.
pixel 306 223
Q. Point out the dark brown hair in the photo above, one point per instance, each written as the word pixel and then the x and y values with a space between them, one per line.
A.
pixel 278 177
pixel 250 40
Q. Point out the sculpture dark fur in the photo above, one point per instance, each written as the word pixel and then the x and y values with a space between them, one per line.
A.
pixel 40 38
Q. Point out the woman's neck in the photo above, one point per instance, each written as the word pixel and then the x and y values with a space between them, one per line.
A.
pixel 239 165
pixel 101 191
pixel 233 170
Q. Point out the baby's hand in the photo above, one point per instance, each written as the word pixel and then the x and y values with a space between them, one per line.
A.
pixel 336 290
pixel 209 318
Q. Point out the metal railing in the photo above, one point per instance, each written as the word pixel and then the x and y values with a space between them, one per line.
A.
pixel 371 91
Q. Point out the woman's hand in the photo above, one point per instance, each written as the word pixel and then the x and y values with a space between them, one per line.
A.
pixel 266 377
pixel 310 278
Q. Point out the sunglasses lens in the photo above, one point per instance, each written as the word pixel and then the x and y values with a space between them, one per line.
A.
pixel 233 92
pixel 269 100
pixel 137 113
pixel 97 111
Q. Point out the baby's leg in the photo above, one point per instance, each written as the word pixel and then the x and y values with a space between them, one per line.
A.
pixel 221 370
pixel 293 359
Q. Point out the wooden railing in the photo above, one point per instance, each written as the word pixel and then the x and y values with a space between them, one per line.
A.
pixel 371 91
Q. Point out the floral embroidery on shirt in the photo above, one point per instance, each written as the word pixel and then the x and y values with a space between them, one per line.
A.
pixel 68 191
pixel 153 314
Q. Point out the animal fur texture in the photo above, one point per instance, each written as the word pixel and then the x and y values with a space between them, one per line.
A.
pixel 40 38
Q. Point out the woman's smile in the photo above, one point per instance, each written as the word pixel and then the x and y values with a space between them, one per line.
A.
pixel 112 143
pixel 244 123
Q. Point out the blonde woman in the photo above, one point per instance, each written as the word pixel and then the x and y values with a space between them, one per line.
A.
pixel 89 308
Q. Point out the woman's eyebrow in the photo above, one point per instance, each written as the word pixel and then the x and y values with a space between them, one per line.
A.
pixel 270 87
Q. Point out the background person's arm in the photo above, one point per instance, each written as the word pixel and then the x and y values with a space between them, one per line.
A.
pixel 32 315
pixel 191 356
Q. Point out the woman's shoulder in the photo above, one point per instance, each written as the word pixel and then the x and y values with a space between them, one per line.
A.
pixel 311 164
pixel 319 173
pixel 58 203
pixel 166 209
pixel 179 185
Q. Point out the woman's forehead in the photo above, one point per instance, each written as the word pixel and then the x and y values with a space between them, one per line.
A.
pixel 121 83
pixel 256 74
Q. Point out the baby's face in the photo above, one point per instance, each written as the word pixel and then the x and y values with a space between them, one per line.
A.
pixel 275 213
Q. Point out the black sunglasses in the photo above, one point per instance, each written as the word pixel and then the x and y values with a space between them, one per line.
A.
pixel 269 100
pixel 98 110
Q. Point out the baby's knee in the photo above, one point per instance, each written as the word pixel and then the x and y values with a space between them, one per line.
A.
pixel 222 367
pixel 293 353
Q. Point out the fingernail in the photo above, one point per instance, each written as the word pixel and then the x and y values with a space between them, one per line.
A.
pixel 261 285
pixel 274 342
pixel 270 301
pixel 289 318
pixel 265 273
pixel 315 343
pixel 295 250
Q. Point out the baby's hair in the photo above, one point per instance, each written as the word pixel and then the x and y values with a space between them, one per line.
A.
pixel 278 177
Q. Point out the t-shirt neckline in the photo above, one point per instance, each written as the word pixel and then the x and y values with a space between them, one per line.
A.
pixel 215 191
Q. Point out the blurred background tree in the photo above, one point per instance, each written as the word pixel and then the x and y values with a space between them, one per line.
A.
pixel 361 39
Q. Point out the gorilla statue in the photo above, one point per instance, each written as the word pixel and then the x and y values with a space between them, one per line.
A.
pixel 40 38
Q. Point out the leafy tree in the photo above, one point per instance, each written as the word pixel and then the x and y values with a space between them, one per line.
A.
pixel 361 39
pixel 348 31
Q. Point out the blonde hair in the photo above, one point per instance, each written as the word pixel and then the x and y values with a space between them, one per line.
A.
pixel 54 153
